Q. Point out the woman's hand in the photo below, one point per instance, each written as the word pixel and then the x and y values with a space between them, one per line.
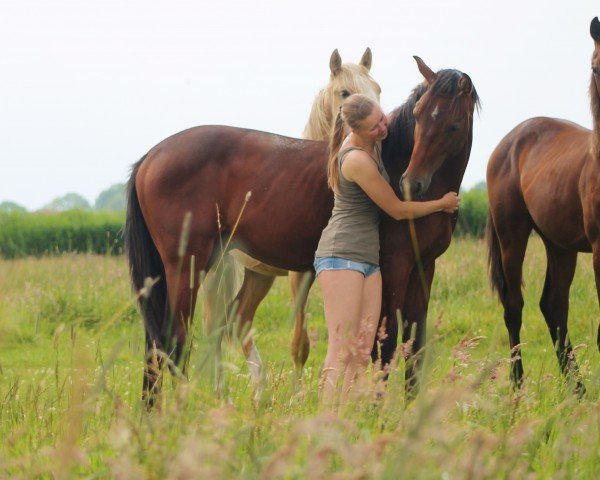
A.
pixel 451 202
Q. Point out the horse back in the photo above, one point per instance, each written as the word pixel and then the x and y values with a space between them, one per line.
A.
pixel 209 171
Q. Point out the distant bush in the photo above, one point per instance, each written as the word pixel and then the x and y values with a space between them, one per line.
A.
pixel 10 207
pixel 473 213
pixel 70 201
pixel 44 233
pixel 112 198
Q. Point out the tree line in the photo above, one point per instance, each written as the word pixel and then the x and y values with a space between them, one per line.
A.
pixel 69 225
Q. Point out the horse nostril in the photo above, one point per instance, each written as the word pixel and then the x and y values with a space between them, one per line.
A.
pixel 418 189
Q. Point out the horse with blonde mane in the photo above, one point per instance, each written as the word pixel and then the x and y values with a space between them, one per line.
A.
pixel 345 80
pixel 180 180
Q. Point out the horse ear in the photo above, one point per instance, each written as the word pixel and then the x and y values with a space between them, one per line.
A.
pixel 465 84
pixel 595 30
pixel 425 70
pixel 335 62
pixel 367 59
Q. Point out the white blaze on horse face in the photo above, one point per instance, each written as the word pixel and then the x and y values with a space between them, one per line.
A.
pixel 435 112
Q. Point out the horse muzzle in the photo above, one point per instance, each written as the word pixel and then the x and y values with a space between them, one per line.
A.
pixel 413 188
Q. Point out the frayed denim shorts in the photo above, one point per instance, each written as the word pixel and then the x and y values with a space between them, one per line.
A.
pixel 338 263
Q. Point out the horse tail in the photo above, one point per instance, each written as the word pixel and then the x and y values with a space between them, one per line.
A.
pixel 145 263
pixel 494 258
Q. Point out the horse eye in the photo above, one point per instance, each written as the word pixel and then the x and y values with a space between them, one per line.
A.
pixel 596 70
pixel 454 128
pixel 345 93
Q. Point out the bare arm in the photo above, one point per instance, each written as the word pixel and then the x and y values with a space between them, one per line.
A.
pixel 359 168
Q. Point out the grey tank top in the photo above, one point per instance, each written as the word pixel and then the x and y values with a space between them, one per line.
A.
pixel 353 229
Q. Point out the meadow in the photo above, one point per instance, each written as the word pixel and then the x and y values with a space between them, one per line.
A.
pixel 71 351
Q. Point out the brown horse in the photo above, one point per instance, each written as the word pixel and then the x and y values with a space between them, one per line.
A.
pixel 545 176
pixel 345 79
pixel 204 167
pixel 427 148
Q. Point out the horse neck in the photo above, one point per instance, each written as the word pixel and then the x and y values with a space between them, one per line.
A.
pixel 396 151
pixel 320 119
pixel 453 170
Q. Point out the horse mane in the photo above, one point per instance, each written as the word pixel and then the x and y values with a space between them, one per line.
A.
pixel 400 140
pixel 320 119
pixel 352 77
pixel 595 103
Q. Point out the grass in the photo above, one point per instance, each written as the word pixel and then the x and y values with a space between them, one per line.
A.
pixel 71 348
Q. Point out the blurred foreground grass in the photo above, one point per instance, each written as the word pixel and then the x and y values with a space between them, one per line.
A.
pixel 71 349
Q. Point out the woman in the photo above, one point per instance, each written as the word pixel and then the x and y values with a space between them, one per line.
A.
pixel 347 258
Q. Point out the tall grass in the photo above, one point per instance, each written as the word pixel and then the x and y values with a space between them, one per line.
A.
pixel 71 348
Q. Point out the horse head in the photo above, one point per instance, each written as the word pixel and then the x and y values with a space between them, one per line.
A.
pixel 443 127
pixel 349 78
pixel 595 33
pixel 345 79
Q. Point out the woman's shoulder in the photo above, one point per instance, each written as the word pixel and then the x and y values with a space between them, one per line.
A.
pixel 357 157
pixel 358 164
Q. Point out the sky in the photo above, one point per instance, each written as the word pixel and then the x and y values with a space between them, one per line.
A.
pixel 88 87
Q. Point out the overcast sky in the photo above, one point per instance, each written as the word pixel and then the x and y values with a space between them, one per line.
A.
pixel 87 86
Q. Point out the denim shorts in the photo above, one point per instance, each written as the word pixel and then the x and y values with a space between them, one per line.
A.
pixel 338 263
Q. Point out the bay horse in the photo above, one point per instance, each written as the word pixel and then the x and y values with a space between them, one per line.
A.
pixel 185 176
pixel 545 176
pixel 425 154
pixel 345 80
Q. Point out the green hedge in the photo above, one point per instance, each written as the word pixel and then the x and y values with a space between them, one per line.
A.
pixel 473 213
pixel 41 233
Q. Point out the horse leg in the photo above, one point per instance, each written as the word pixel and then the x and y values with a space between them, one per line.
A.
pixel 414 316
pixel 596 254
pixel 513 244
pixel 219 290
pixel 555 307
pixel 394 280
pixel 182 290
pixel 300 283
pixel 254 288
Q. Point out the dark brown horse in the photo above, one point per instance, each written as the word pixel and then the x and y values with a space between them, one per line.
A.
pixel 428 148
pixel 205 167
pixel 545 176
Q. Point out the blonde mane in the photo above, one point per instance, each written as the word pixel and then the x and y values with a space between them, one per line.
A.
pixel 346 79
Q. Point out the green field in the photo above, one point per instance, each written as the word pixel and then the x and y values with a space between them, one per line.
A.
pixel 71 349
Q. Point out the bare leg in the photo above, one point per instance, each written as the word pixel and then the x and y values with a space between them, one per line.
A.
pixel 350 301
pixel 369 319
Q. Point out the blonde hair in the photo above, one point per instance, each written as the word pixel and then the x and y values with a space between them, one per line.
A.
pixel 352 112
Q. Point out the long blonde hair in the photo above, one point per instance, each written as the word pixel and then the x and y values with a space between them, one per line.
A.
pixel 354 110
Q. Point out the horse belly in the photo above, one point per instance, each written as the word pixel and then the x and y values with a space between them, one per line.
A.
pixel 556 210
pixel 282 231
